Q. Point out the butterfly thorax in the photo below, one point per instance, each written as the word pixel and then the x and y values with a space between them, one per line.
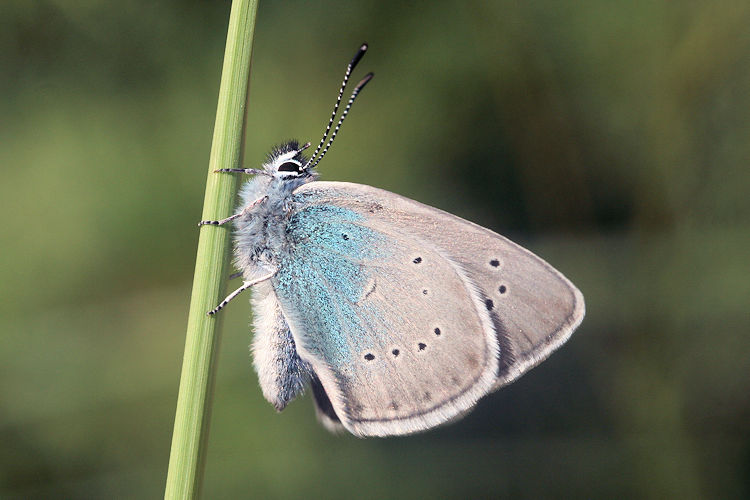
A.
pixel 260 233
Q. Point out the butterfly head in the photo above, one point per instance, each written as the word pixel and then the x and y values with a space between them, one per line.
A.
pixel 287 161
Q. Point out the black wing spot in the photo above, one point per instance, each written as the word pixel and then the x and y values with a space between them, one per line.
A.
pixel 422 346
pixel 395 353
pixel 437 331
pixel 489 304
pixel 345 236
pixel 369 356
pixel 417 260
pixel 502 289
pixel 495 263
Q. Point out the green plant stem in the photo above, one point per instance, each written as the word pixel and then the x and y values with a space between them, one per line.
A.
pixel 192 416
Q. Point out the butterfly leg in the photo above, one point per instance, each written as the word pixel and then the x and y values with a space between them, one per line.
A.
pixel 245 286
pixel 232 217
pixel 220 222
pixel 248 171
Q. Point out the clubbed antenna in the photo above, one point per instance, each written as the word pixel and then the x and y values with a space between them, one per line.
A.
pixel 350 67
pixel 357 90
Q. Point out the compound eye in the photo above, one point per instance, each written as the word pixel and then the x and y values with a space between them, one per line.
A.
pixel 289 166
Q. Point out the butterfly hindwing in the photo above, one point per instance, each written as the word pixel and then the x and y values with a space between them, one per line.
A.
pixel 408 314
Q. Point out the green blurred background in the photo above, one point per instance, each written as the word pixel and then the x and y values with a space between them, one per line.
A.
pixel 611 138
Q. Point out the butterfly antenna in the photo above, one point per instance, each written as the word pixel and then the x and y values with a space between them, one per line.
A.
pixel 356 91
pixel 350 67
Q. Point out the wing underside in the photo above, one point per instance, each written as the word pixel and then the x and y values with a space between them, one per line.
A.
pixel 408 314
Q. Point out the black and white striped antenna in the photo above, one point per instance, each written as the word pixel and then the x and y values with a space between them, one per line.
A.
pixel 350 67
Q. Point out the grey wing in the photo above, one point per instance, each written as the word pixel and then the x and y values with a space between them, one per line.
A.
pixel 533 308
pixel 398 338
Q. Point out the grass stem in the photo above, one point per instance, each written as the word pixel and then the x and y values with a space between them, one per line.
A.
pixel 192 415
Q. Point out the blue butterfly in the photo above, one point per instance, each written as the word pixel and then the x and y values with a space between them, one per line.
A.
pixel 398 315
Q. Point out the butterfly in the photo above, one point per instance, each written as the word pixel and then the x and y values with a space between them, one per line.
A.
pixel 399 316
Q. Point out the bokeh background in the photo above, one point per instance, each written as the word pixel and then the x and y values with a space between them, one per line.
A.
pixel 611 138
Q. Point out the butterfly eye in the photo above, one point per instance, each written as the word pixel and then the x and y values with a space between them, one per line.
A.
pixel 289 166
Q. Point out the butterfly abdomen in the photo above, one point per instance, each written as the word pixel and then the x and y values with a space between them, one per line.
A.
pixel 281 372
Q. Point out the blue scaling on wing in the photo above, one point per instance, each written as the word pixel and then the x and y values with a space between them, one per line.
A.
pixel 323 276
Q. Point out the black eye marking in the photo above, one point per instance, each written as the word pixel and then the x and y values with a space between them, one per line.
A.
pixel 437 331
pixel 502 289
pixel 345 236
pixel 424 291
pixel 421 346
pixel 417 260
pixel 395 353
pixel 394 405
pixel 494 263
pixel 369 356
pixel 289 166
pixel 489 304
